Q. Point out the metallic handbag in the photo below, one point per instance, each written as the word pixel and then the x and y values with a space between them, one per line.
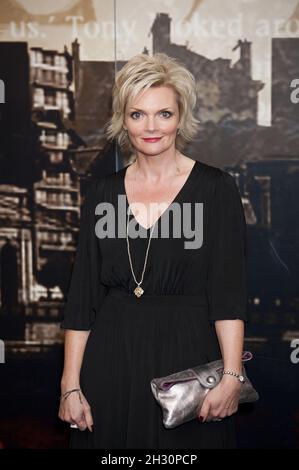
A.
pixel 181 394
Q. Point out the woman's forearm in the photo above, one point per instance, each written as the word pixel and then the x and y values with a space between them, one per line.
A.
pixel 230 335
pixel 74 346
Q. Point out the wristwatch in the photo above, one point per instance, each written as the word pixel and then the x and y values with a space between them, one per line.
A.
pixel 240 377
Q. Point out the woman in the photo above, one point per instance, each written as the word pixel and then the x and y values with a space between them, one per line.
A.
pixel 148 306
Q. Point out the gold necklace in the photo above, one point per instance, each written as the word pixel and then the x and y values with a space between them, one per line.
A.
pixel 138 291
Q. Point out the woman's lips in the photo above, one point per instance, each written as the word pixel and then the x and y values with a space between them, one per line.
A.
pixel 152 139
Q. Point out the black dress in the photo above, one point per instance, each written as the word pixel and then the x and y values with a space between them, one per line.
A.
pixel 171 326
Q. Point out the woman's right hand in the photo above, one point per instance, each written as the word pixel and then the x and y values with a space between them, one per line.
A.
pixel 76 410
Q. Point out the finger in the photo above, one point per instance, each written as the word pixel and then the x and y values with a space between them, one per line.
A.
pixel 88 418
pixel 213 414
pixel 231 411
pixel 204 412
pixel 64 416
pixel 223 413
pixel 61 413
pixel 219 414
pixel 81 423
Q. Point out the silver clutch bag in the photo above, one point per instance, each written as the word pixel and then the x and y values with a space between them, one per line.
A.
pixel 181 394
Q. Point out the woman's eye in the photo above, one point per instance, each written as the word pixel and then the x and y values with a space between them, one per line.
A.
pixel 168 113
pixel 135 112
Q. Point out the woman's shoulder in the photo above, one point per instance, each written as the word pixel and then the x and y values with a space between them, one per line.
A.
pixel 105 186
pixel 212 172
pixel 215 176
pixel 95 186
pixel 216 181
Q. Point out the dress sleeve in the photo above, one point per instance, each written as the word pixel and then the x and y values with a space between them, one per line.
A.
pixel 227 279
pixel 85 292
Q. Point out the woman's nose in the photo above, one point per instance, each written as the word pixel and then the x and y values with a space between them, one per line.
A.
pixel 150 124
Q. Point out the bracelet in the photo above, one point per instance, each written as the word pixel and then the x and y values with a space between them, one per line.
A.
pixel 67 394
pixel 240 377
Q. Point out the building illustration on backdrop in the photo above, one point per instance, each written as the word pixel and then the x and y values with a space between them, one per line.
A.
pixel 40 197
pixel 59 111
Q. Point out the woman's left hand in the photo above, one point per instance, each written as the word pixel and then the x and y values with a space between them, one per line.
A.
pixel 222 400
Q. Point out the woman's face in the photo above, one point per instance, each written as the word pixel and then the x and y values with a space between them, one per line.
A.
pixel 155 113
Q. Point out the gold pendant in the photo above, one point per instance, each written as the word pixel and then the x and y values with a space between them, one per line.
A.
pixel 138 291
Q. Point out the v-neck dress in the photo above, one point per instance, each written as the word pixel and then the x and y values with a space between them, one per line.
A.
pixel 171 327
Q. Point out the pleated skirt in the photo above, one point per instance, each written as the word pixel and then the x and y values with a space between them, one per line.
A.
pixel 132 341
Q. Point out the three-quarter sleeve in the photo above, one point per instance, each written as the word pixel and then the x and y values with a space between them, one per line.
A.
pixel 227 279
pixel 85 292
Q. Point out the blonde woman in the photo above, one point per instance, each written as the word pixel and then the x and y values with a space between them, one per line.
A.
pixel 142 304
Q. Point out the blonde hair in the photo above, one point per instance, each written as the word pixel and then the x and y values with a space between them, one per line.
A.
pixel 140 73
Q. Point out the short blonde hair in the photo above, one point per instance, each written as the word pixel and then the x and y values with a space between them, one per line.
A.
pixel 140 73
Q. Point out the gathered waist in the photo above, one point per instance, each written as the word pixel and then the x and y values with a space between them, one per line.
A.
pixel 199 299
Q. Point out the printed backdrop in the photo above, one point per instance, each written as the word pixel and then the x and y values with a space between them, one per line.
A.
pixel 58 61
